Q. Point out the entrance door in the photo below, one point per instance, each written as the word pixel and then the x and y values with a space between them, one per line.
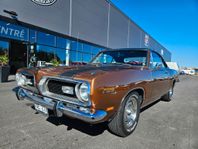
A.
pixel 17 55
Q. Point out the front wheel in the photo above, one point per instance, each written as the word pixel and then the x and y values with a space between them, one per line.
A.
pixel 19 95
pixel 126 119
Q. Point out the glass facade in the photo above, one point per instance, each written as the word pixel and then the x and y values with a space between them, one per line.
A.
pixel 45 47
pixel 46 39
pixel 81 52
pixel 48 54
pixel 51 47
pixel 4 47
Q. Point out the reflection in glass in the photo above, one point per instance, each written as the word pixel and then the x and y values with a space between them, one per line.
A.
pixel 86 58
pixel 75 56
pixel 4 46
pixel 76 46
pixel 95 50
pixel 81 52
pixel 48 54
pixel 32 36
pixel 46 39
pixel 61 42
pixel 87 48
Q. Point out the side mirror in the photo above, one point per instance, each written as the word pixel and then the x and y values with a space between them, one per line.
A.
pixel 158 66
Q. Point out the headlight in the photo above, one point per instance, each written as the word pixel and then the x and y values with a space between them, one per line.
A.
pixel 84 91
pixel 21 79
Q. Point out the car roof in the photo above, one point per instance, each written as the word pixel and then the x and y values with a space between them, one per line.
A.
pixel 121 49
pixel 135 49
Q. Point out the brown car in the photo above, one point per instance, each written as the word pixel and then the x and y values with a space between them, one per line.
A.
pixel 112 88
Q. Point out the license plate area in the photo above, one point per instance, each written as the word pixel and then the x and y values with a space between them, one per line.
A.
pixel 41 109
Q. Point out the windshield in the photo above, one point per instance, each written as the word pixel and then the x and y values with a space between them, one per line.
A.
pixel 133 57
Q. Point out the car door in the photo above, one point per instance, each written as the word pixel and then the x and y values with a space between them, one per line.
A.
pixel 160 76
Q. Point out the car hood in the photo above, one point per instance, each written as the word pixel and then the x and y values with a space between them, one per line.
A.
pixel 89 71
pixel 86 72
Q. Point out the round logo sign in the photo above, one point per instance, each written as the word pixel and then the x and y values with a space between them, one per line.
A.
pixel 44 2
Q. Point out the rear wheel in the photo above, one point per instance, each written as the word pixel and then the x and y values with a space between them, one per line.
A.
pixel 126 119
pixel 168 96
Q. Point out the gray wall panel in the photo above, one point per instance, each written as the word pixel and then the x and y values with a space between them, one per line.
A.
pixel 167 55
pixel 118 29
pixel 54 17
pixel 152 44
pixel 142 40
pixel 90 20
pixel 134 36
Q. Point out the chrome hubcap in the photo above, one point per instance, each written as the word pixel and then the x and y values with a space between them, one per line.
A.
pixel 130 114
pixel 171 92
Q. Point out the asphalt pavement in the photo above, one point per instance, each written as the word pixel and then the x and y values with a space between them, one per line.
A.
pixel 165 125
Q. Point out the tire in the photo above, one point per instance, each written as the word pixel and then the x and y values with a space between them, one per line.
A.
pixel 126 119
pixel 19 97
pixel 168 96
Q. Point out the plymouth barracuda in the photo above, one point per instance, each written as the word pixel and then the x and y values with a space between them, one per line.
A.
pixel 112 88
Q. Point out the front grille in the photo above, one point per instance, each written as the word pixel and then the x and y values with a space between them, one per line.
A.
pixel 55 86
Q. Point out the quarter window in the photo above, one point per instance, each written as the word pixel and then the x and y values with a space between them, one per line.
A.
pixel 104 59
pixel 156 61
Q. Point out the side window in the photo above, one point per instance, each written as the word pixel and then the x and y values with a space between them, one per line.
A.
pixel 156 61
pixel 105 59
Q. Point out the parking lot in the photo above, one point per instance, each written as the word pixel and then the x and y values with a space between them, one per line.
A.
pixel 165 125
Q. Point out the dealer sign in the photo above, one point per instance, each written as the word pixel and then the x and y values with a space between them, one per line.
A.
pixel 44 2
pixel 12 31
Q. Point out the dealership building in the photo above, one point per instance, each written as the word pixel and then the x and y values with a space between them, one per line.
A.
pixel 69 31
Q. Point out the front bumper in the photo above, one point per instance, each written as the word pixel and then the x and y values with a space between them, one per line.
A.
pixel 61 108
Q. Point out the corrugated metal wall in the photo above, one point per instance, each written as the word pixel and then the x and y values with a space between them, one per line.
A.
pixel 54 17
pixel 95 21
pixel 90 20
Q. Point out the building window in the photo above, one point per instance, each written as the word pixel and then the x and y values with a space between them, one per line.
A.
pixel 86 58
pixel 32 36
pixel 75 56
pixel 87 49
pixel 95 50
pixel 4 46
pixel 48 54
pixel 46 39
pixel 77 46
pixel 47 47
pixel 82 53
pixel 61 42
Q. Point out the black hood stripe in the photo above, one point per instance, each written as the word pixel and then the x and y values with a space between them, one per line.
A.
pixel 71 73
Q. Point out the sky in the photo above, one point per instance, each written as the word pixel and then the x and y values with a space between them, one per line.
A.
pixel 173 23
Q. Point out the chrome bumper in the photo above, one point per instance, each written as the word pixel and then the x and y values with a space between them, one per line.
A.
pixel 60 108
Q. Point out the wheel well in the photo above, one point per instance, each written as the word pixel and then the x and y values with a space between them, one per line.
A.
pixel 140 91
pixel 174 83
